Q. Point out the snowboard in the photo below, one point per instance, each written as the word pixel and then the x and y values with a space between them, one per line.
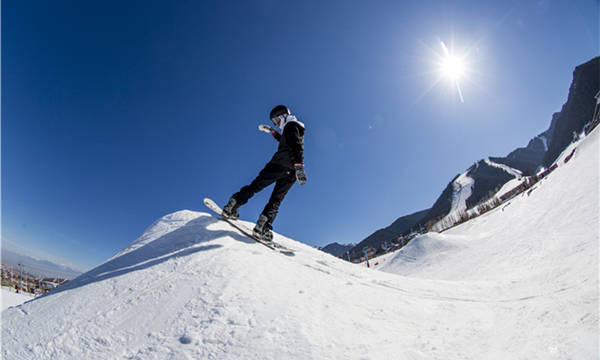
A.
pixel 241 227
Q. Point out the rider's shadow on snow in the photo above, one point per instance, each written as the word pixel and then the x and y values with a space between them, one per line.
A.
pixel 181 242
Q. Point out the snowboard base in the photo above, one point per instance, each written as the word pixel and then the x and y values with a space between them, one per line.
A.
pixel 241 227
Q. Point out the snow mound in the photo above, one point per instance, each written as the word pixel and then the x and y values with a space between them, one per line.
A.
pixel 161 227
pixel 424 250
pixel 519 282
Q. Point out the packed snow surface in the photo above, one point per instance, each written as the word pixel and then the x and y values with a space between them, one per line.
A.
pixel 520 282
pixel 11 298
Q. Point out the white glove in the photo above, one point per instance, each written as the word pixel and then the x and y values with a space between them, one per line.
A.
pixel 266 128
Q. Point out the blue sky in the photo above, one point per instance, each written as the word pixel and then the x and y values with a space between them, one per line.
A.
pixel 117 113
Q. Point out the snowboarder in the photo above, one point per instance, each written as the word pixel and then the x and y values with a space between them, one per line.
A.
pixel 285 167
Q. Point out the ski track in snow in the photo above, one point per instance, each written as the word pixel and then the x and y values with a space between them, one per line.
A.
pixel 514 172
pixel 520 282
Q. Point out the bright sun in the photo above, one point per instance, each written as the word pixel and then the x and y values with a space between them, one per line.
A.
pixel 453 67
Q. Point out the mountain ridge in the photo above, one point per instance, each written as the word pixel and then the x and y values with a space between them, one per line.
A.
pixel 541 151
pixel 39 267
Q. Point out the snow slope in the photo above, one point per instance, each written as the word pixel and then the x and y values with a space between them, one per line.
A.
pixel 514 172
pixel 463 188
pixel 11 298
pixel 519 284
pixel 510 185
pixel 541 248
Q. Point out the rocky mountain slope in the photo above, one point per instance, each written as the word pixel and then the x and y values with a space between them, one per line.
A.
pixel 485 177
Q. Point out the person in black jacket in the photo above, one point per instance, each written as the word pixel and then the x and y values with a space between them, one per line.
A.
pixel 286 166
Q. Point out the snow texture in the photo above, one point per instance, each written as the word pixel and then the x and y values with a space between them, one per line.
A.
pixel 11 298
pixel 520 282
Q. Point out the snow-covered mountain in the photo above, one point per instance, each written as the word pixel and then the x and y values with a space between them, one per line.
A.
pixel 486 177
pixel 528 159
pixel 519 282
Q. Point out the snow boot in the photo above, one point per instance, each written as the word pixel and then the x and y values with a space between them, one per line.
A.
pixel 262 230
pixel 230 210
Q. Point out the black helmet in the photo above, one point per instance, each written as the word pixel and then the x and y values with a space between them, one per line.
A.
pixel 279 110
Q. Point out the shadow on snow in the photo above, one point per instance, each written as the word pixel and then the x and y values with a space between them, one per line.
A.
pixel 181 242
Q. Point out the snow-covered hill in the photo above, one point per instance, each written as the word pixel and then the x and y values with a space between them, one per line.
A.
pixel 520 282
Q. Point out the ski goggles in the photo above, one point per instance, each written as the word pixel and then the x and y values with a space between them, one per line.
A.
pixel 277 120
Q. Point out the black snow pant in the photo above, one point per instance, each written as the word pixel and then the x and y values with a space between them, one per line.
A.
pixel 283 178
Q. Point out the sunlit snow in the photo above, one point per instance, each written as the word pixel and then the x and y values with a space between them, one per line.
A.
pixel 520 282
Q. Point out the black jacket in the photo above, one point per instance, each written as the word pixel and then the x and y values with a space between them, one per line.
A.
pixel 291 145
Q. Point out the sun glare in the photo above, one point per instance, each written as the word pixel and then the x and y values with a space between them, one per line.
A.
pixel 453 67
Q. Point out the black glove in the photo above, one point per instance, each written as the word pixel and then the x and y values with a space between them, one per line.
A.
pixel 300 174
